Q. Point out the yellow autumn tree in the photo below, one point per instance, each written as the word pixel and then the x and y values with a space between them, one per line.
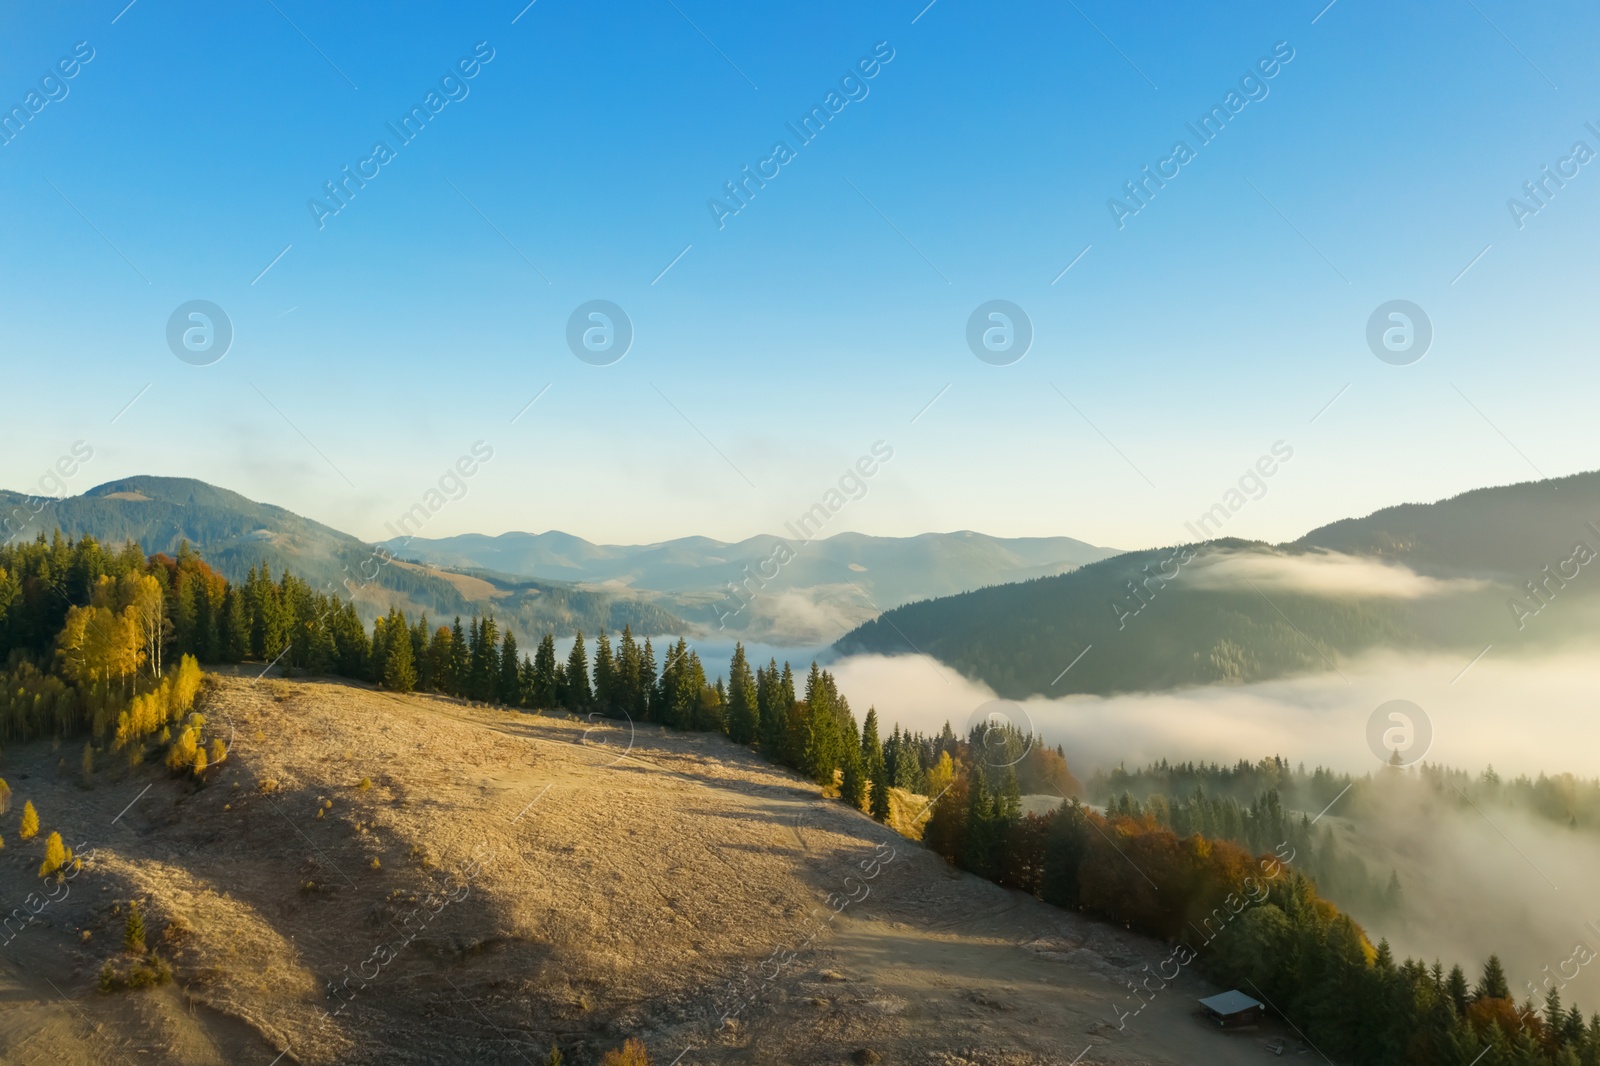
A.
pixel 30 821
pixel 5 797
pixel 633 1053
pixel 55 855
pixel 181 755
pixel 941 775
pixel 199 764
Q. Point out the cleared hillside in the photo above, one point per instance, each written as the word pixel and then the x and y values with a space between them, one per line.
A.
pixel 582 892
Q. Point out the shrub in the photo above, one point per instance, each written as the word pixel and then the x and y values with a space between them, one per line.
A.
pixel 142 973
pixel 554 1058
pixel 364 784
pixel 30 821
pixel 632 1053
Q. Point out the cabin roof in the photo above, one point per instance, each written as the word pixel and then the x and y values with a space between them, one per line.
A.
pixel 1229 1003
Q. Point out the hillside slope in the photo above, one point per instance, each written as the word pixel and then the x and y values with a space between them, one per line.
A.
pixel 1418 576
pixel 594 892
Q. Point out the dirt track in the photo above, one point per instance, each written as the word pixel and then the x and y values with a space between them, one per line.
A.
pixel 624 886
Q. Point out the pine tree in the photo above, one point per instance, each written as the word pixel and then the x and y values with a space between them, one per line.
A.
pixel 743 701
pixel 456 671
pixel 578 695
pixel 440 660
pixel 399 673
pixel 647 683
pixel 421 662
pixel 509 684
pixel 1493 985
pixel 525 684
pixel 545 691
pixel 629 690
pixel 234 638
pixel 30 821
pixel 1456 987
pixel 772 714
pixel 133 930
pixel 877 770
pixel 853 788
pixel 820 747
pixel 605 677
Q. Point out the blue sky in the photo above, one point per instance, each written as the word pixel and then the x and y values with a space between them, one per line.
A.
pixel 832 309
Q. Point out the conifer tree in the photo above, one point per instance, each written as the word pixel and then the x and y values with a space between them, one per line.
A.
pixel 647 683
pixel 877 771
pixel 399 673
pixel 457 670
pixel 235 635
pixel 743 701
pixel 1493 984
pixel 1456 988
pixel 853 787
pixel 772 714
pixel 421 663
pixel 605 678
pixel 545 692
pixel 577 696
pixel 30 821
pixel 509 684
pixel 526 685
pixel 820 747
pixel 133 930
pixel 440 660
pixel 629 690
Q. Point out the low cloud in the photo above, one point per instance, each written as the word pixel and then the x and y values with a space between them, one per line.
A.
pixel 1477 880
pixel 1320 573
pixel 1318 718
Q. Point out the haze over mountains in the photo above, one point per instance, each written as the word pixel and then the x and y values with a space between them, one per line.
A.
pixel 556 581
pixel 234 534
pixel 828 586
pixel 1506 566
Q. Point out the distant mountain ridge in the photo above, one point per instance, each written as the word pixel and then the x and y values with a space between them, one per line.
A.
pixel 829 585
pixel 234 534
pixel 562 582
pixel 1479 568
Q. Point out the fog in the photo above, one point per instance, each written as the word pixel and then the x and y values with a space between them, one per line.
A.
pixel 1321 573
pixel 1476 880
pixel 1522 715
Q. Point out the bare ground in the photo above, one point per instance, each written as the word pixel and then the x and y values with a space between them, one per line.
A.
pixel 505 882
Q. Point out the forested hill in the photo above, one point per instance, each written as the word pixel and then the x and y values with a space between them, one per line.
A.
pixel 1507 532
pixel 234 534
pixel 1419 576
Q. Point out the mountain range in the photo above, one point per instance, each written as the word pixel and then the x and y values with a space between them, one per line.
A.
pixel 1505 566
pixel 827 587
pixel 234 534
pixel 558 582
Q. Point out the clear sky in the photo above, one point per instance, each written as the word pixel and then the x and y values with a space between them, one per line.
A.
pixel 976 164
